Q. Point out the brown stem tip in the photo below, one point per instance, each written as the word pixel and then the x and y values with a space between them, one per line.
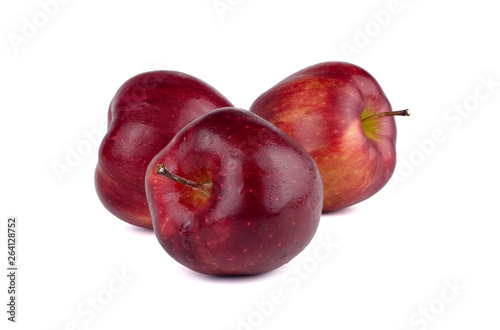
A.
pixel 405 112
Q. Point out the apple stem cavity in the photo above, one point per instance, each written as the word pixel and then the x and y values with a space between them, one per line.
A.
pixel 389 113
pixel 204 188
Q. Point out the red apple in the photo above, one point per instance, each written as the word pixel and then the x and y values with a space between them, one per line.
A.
pixel 232 194
pixel 338 112
pixel 146 112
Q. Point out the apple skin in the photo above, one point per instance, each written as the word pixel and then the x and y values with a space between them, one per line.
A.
pixel 144 115
pixel 321 107
pixel 264 204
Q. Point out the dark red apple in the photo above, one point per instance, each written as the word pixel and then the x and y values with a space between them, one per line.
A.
pixel 232 194
pixel 338 112
pixel 145 114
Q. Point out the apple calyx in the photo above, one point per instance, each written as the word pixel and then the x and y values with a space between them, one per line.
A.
pixel 404 112
pixel 205 188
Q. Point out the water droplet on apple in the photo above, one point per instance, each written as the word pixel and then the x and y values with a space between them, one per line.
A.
pixel 185 232
pixel 185 227
pixel 186 244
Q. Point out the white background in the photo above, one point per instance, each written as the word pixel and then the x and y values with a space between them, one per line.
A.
pixel 393 258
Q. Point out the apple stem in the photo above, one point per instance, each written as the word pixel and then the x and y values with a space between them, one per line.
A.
pixel 162 170
pixel 389 113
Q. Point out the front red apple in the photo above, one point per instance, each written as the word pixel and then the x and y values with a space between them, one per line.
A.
pixel 334 110
pixel 239 197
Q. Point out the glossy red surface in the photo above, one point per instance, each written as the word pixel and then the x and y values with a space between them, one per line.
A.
pixel 321 107
pixel 265 202
pixel 144 115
